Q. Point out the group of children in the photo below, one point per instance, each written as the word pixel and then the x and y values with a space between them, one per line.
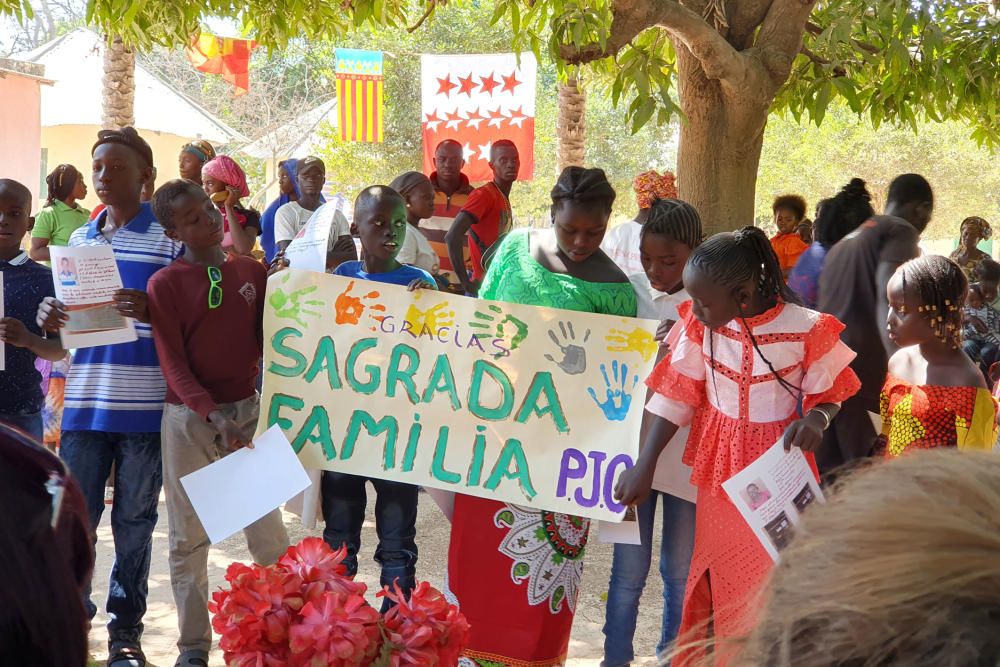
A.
pixel 743 365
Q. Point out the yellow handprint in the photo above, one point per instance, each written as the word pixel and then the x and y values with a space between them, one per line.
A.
pixel 637 340
pixel 432 319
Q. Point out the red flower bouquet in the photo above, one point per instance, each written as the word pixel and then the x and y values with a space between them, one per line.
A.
pixel 304 611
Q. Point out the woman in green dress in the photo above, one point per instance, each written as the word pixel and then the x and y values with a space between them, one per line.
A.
pixel 521 606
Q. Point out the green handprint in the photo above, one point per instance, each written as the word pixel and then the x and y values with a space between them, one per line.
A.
pixel 292 306
pixel 509 327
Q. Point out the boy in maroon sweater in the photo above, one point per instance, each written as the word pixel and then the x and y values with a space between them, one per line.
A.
pixel 207 310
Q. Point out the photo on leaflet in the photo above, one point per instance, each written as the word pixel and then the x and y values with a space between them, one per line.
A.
pixel 804 498
pixel 756 494
pixel 67 272
pixel 780 531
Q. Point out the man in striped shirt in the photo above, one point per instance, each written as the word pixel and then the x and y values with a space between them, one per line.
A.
pixel 115 393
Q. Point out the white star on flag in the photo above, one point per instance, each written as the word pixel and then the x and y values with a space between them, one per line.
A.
pixel 484 151
pixel 477 100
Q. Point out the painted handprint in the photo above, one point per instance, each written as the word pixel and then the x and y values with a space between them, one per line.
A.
pixel 574 356
pixel 618 395
pixel 507 328
pixel 348 308
pixel 432 319
pixel 294 305
pixel 637 340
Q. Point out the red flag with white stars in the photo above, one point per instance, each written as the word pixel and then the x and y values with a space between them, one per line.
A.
pixel 478 100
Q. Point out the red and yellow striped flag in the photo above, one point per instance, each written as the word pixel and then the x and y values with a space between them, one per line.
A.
pixel 359 95
pixel 223 55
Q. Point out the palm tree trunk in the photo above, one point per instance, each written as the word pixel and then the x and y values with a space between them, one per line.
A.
pixel 118 99
pixel 571 124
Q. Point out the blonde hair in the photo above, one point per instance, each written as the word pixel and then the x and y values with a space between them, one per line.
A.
pixel 900 567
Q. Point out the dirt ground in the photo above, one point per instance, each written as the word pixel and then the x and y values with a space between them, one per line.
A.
pixel 432 539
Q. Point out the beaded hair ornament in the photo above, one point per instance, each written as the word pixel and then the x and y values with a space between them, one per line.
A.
pixel 944 316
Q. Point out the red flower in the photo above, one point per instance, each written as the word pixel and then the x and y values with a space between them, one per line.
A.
pixel 254 615
pixel 321 569
pixel 336 630
pixel 425 630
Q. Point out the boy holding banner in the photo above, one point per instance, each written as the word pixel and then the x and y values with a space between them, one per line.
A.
pixel 204 302
pixel 380 214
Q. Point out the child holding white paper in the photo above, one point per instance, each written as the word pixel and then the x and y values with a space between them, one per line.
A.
pixel 668 237
pixel 747 366
pixel 26 283
pixel 380 213
pixel 204 303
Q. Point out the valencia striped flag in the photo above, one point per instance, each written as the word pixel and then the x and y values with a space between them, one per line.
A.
pixel 359 95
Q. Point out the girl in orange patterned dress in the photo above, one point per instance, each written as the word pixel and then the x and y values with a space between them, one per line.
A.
pixel 747 367
pixel 934 395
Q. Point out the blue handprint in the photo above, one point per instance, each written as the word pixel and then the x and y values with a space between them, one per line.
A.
pixel 618 396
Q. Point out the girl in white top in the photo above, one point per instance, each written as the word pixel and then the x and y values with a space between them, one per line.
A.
pixel 418 192
pixel 672 230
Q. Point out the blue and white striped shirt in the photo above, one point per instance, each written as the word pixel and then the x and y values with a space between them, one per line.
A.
pixel 120 388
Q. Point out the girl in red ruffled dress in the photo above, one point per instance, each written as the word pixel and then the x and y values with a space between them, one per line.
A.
pixel 747 366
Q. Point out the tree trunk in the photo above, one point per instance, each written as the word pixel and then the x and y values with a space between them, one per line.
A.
pixel 719 148
pixel 119 85
pixel 571 125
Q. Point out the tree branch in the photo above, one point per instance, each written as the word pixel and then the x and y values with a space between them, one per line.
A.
pixel 718 58
pixel 780 36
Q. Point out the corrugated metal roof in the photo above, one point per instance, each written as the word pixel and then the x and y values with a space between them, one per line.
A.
pixel 295 139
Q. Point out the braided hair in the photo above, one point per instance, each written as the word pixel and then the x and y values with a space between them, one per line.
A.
pixel 676 219
pixel 61 183
pixel 583 186
pixel 843 213
pixel 941 288
pixel 733 258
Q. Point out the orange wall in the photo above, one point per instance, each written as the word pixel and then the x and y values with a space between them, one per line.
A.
pixel 20 131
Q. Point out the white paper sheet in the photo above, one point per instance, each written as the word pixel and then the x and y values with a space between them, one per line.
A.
pixel 445 500
pixel 240 488
pixel 624 532
pixel 306 505
pixel 772 492
pixel 86 280
pixel 876 421
pixel 672 475
pixel 307 251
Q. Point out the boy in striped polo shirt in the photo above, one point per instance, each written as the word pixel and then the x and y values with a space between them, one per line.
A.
pixel 115 393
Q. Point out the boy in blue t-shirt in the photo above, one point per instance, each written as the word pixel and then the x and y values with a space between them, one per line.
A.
pixel 380 214
pixel 26 283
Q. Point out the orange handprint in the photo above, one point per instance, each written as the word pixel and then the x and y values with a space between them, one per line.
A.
pixel 349 309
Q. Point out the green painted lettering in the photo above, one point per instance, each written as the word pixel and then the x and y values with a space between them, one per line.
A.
pixel 374 372
pixel 442 380
pixel 279 401
pixel 316 429
pixel 410 455
pixel 481 369
pixel 512 453
pixel 387 425
pixel 437 467
pixel 325 359
pixel 278 345
pixel 541 384
pixel 395 374
pixel 478 452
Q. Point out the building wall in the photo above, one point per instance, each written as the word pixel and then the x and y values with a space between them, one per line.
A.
pixel 72 144
pixel 20 131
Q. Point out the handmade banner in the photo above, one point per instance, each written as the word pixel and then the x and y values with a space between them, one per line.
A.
pixel 359 95
pixel 532 406
pixel 478 100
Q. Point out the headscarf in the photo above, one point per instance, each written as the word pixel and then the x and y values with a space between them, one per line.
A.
pixel 979 225
pixel 225 169
pixel 406 183
pixel 201 149
pixel 650 186
pixel 127 136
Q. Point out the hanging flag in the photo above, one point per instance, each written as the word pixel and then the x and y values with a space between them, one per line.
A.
pixel 225 56
pixel 359 95
pixel 478 100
